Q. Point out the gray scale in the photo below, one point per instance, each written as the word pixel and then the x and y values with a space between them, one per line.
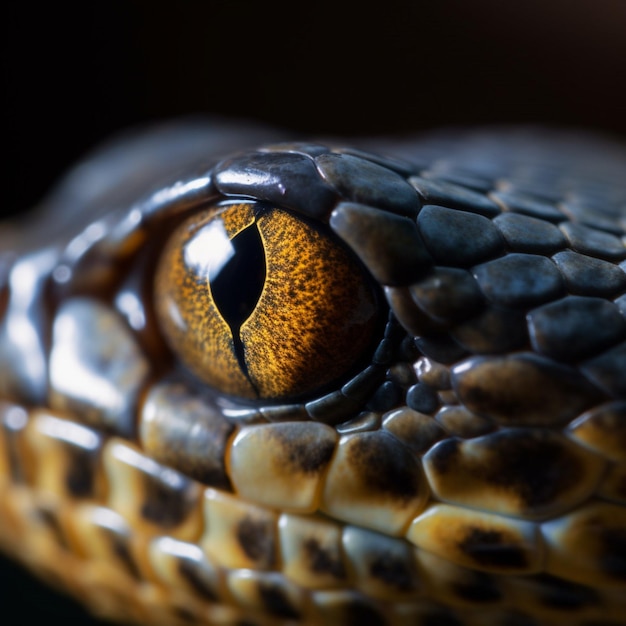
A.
pixel 542 174
pixel 423 398
pixel 441 348
pixel 621 304
pixel 473 167
pixel 455 196
pixel 386 397
pixel 179 194
pixel 607 206
pixel 295 147
pixel 404 168
pixel 589 217
pixel 527 205
pixel 469 181
pixel 575 327
pixel 519 280
pixel 360 180
pixel 458 238
pixel 360 387
pixel 389 245
pixel 284 178
pixel 494 330
pixel 408 313
pixel 448 294
pixel 332 408
pixel 594 242
pixel 607 370
pixel 284 413
pixel 524 233
pixel 606 198
pixel 542 194
pixel 588 276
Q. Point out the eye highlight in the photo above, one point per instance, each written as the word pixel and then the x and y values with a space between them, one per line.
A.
pixel 261 304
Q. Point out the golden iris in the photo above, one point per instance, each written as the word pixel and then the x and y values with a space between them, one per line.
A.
pixel 259 303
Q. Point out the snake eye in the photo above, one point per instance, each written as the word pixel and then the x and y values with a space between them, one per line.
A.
pixel 259 303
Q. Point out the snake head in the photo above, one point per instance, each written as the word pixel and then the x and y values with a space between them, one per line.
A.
pixel 369 364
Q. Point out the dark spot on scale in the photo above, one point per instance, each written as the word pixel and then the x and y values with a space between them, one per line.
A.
pixel 613 556
pixel 16 467
pixel 393 572
pixel 304 451
pixel 185 615
pixel 490 548
pixel 257 539
pixel 528 462
pixel 12 434
pixel 188 571
pixel 163 505
pixel 276 601
pixel 477 587
pixel 439 617
pixel 50 519
pixel 514 618
pixel 359 612
pixel 385 465
pixel 561 594
pixel 79 478
pixel 532 463
pixel 322 561
pixel 119 547
pixel 310 459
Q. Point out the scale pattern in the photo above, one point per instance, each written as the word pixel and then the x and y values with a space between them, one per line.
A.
pixel 473 473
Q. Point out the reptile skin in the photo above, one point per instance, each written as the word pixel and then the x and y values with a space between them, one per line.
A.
pixel 456 455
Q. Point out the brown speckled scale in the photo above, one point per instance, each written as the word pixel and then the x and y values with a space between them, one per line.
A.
pixel 421 419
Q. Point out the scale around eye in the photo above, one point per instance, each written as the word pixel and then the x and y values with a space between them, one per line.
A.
pixel 262 304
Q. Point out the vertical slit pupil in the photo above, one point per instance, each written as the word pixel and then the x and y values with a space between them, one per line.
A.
pixel 238 286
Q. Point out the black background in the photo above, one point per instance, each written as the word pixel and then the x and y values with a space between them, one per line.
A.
pixel 74 74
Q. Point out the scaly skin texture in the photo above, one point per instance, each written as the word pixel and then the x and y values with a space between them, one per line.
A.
pixel 459 459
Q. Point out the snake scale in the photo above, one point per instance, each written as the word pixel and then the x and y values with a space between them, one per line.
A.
pixel 321 383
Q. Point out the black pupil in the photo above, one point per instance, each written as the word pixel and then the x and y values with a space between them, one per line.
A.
pixel 237 287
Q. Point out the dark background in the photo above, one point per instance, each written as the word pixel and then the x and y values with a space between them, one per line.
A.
pixel 71 76
pixel 74 74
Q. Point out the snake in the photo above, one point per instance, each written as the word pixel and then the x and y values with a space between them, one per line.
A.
pixel 252 379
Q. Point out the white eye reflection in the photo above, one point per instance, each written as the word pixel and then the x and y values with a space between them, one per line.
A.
pixel 209 250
